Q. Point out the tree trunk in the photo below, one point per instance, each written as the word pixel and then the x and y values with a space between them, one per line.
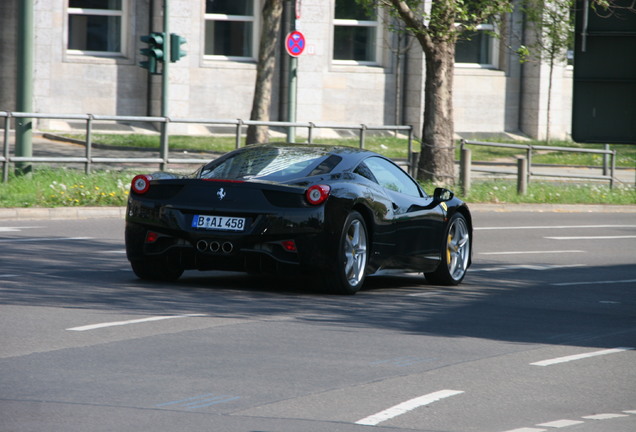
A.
pixel 437 160
pixel 272 13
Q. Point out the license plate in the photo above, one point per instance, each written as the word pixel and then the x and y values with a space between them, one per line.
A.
pixel 223 223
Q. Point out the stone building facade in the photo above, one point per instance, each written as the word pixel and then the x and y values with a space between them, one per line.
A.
pixel 353 69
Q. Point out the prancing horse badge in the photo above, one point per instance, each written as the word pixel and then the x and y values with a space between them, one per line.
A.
pixel 221 193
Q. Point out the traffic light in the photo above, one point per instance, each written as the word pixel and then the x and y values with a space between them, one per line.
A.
pixel 154 51
pixel 175 47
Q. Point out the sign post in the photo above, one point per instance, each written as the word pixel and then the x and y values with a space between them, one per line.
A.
pixel 294 45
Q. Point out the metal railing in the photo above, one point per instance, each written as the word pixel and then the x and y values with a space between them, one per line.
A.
pixel 164 158
pixel 525 169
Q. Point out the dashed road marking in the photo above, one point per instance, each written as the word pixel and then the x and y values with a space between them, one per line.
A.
pixel 566 423
pixel 526 429
pixel 525 267
pixel 606 416
pixel 592 237
pixel 565 359
pixel 532 252
pixel 561 423
pixel 595 282
pixel 553 227
pixel 407 406
pixel 17 229
pixel 135 321
pixel 42 239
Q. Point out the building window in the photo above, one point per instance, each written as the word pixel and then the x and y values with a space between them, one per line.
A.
pixel 478 49
pixel 230 29
pixel 95 27
pixel 355 33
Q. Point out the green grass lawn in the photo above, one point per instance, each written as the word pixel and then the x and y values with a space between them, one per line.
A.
pixel 48 187
pixel 56 187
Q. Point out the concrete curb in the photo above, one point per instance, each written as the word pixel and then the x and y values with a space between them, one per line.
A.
pixel 62 213
pixel 554 208
pixel 75 213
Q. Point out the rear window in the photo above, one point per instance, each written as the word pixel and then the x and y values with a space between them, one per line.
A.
pixel 278 164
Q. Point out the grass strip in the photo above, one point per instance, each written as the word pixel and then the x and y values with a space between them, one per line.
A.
pixel 49 187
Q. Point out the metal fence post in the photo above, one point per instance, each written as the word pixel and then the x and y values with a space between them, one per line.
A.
pixel 363 130
pixel 237 140
pixel 310 133
pixel 612 169
pixel 89 144
pixel 522 175
pixel 165 149
pixel 411 156
pixel 529 165
pixel 5 164
pixel 465 163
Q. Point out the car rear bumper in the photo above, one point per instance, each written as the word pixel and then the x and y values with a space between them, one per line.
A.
pixel 273 253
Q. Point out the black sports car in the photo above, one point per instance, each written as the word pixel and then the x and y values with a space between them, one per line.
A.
pixel 336 214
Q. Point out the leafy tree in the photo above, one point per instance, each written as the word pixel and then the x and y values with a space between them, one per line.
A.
pixel 272 15
pixel 437 25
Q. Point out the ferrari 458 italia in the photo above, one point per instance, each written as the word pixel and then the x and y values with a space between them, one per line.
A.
pixel 336 214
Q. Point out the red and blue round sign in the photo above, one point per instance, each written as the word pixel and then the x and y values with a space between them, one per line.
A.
pixel 295 43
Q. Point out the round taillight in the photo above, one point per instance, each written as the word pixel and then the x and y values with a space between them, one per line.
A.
pixel 141 183
pixel 317 194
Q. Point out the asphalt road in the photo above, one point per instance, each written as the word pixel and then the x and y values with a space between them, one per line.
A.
pixel 540 337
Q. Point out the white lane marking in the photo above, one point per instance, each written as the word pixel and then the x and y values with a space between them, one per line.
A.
pixel 526 430
pixel 41 239
pixel 565 359
pixel 595 283
pixel 407 406
pixel 592 237
pixel 561 423
pixel 426 294
pixel 525 267
pixel 554 227
pixel 6 276
pixel 531 252
pixel 136 321
pixel 606 416
pixel 17 229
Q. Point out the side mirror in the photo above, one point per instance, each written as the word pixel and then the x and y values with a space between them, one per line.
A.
pixel 442 195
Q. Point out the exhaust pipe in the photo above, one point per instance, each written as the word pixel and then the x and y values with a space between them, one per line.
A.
pixel 202 245
pixel 227 247
pixel 215 246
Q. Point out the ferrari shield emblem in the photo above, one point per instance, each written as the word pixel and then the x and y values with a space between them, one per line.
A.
pixel 221 193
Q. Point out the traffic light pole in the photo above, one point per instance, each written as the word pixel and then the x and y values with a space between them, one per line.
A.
pixel 24 126
pixel 165 81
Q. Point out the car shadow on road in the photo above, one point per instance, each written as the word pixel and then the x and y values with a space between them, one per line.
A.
pixel 559 306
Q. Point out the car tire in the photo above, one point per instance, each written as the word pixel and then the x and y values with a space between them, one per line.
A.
pixel 456 250
pixel 350 267
pixel 156 270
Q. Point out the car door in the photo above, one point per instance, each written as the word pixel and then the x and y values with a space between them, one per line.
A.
pixel 416 226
